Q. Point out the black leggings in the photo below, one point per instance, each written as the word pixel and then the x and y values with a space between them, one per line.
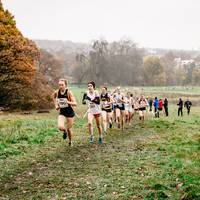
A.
pixel 188 110
pixel 180 111
pixel 166 110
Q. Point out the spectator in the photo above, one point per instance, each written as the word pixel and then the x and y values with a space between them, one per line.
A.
pixel 188 105
pixel 156 104
pixel 166 107
pixel 180 107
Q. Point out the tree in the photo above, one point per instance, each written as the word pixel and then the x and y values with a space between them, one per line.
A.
pixel 50 67
pixel 169 67
pixel 17 60
pixel 98 60
pixel 19 78
pixel 81 68
pixel 154 71
pixel 196 76
pixel 116 63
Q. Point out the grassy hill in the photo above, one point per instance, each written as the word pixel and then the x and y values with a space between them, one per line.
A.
pixel 157 160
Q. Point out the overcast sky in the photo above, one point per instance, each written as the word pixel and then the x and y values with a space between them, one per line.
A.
pixel 150 23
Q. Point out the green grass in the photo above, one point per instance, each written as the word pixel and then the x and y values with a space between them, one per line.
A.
pixel 157 160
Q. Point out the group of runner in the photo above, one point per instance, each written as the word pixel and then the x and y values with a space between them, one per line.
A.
pixel 108 107
pixel 105 108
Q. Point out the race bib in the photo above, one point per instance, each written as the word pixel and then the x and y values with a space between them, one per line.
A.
pixel 118 100
pixel 105 104
pixel 92 105
pixel 62 102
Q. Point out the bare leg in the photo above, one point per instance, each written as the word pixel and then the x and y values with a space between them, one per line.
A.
pixel 70 122
pixel 104 119
pixel 98 123
pixel 118 114
pixel 122 118
pixel 61 123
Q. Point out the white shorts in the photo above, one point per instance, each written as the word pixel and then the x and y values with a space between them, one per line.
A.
pixel 142 112
pixel 128 108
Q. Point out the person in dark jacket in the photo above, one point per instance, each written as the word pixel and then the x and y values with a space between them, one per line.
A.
pixel 180 107
pixel 156 104
pixel 150 101
pixel 188 105
pixel 166 107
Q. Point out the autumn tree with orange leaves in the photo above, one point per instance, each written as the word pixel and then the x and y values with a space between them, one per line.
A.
pixel 18 66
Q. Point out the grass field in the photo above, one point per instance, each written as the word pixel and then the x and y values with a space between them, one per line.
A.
pixel 157 160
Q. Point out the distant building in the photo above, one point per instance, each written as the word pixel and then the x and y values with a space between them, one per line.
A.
pixel 181 62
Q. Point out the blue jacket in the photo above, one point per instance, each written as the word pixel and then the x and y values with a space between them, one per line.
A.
pixel 156 103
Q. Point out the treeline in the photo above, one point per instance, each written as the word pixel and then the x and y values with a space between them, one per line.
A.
pixel 123 63
pixel 27 75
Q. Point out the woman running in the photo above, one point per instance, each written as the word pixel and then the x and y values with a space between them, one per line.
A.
pixel 136 105
pixel 142 107
pixel 119 108
pixel 128 108
pixel 64 101
pixel 94 111
pixel 106 107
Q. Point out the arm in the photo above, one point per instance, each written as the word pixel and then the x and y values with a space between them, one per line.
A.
pixel 111 99
pixel 55 95
pixel 123 99
pixel 147 103
pixel 72 101
pixel 96 100
pixel 84 98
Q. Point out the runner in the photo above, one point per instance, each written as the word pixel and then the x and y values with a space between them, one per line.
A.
pixel 132 105
pixel 128 108
pixel 142 107
pixel 114 105
pixel 64 101
pixel 119 108
pixel 92 99
pixel 106 107
pixel 136 105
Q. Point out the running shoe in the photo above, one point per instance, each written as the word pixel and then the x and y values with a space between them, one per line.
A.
pixel 71 144
pixel 64 135
pixel 91 139
pixel 100 141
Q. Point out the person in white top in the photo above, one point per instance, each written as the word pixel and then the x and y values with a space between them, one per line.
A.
pixel 143 103
pixel 128 107
pixel 119 107
pixel 92 98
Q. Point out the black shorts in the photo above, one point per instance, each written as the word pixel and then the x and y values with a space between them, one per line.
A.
pixel 141 109
pixel 107 110
pixel 160 109
pixel 114 107
pixel 67 112
pixel 121 107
